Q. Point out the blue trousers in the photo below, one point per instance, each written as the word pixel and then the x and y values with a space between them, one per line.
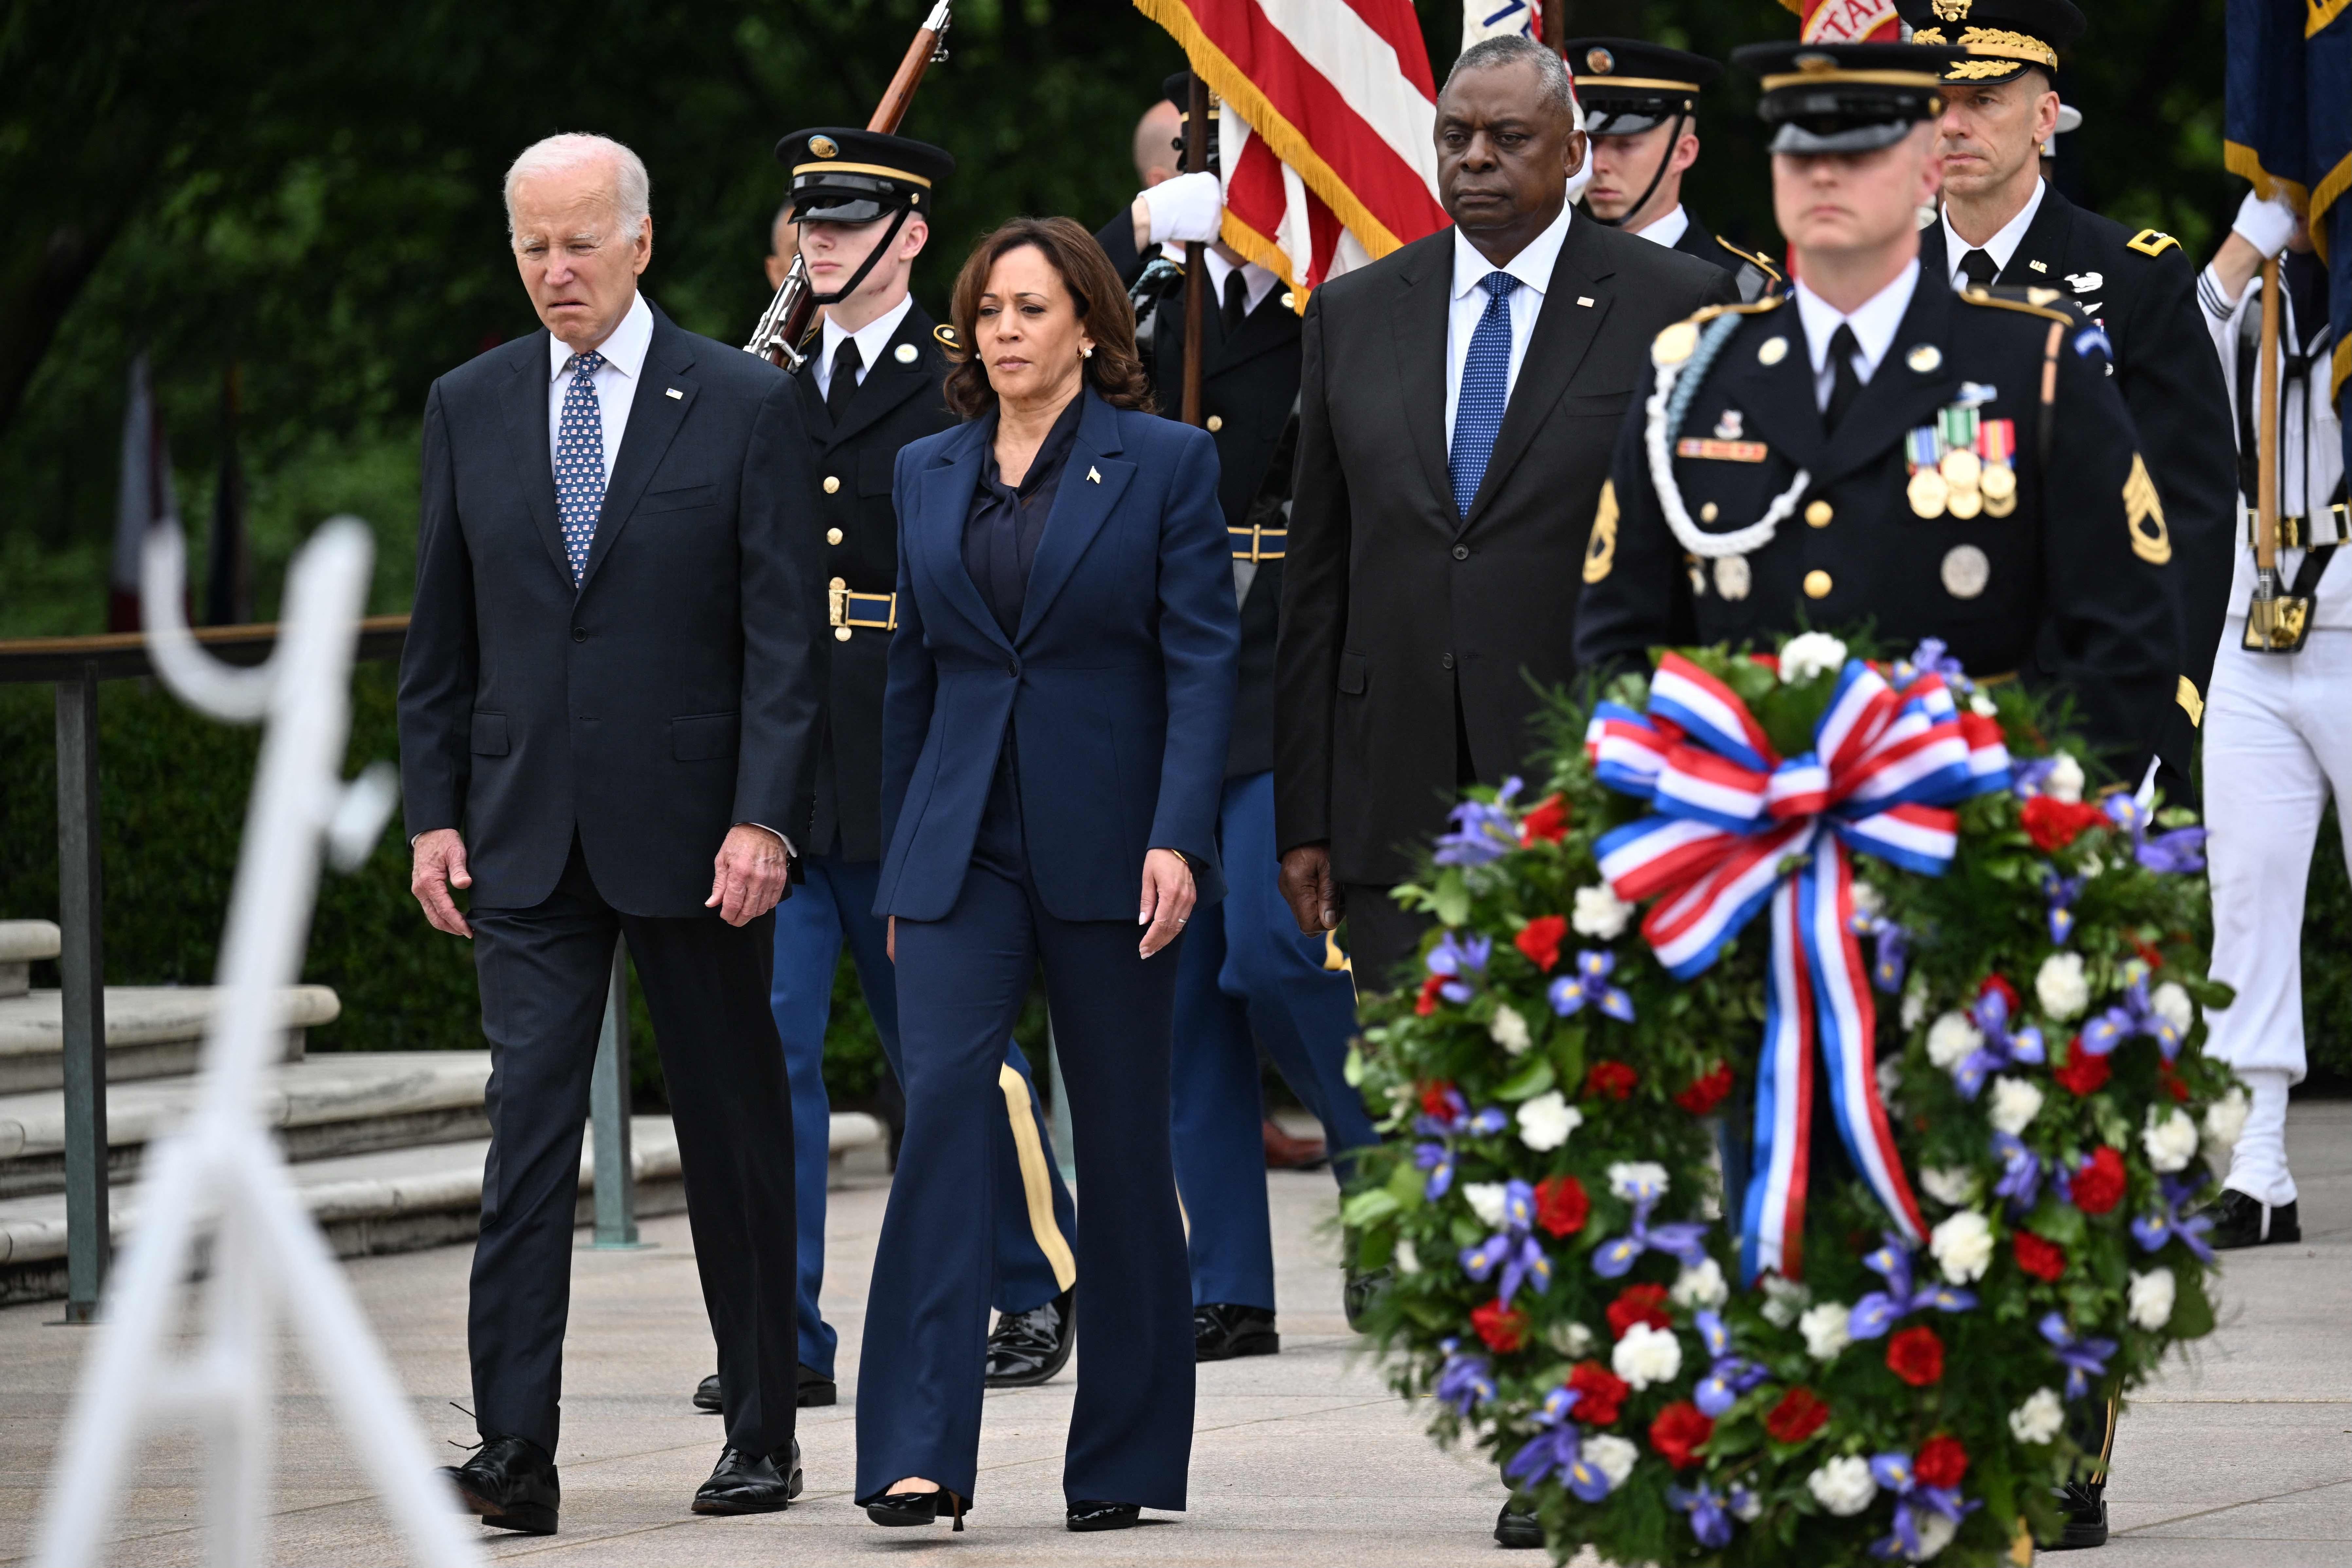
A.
pixel 1248 973
pixel 1032 1217
pixel 961 982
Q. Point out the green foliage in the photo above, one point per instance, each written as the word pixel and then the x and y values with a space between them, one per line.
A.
pixel 2326 936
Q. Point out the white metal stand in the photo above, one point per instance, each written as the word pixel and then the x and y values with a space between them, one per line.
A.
pixel 220 1178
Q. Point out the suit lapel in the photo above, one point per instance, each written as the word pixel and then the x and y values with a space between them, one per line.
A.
pixel 937 527
pixel 2044 241
pixel 1269 327
pixel 1092 481
pixel 1417 318
pixel 812 409
pixel 523 404
pixel 1900 394
pixel 1564 330
pixel 654 419
pixel 889 383
pixel 1776 399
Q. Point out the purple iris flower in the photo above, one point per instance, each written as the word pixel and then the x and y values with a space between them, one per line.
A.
pixel 1893 949
pixel 1711 1513
pixel 2085 1358
pixel 1731 1375
pixel 1556 1448
pixel 1464 1382
pixel 1454 1122
pixel 2132 1017
pixel 1934 656
pixel 1881 1309
pixel 1590 984
pixel 1458 958
pixel 2026 778
pixel 1513 1249
pixel 2020 1172
pixel 1438 1161
pixel 1683 1239
pixel 2061 892
pixel 2173 853
pixel 1893 1472
pixel 2152 1231
pixel 2002 1046
pixel 1482 832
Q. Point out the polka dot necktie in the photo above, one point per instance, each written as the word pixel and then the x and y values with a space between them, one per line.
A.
pixel 1486 389
pixel 580 461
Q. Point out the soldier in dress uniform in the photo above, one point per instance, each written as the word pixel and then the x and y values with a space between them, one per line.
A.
pixel 870 384
pixel 2002 222
pixel 1246 977
pixel 1641 102
pixel 1990 491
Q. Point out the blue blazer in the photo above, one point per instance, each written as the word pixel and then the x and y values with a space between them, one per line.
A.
pixel 1119 685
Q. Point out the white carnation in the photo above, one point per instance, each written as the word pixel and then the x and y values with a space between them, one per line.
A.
pixel 1612 1455
pixel 1951 1185
pixel 1809 653
pixel 1701 1286
pixel 1509 1030
pixel 1626 1175
pixel 1963 1246
pixel 2059 986
pixel 1408 1260
pixel 2063 782
pixel 1747 1505
pixel 2225 1118
pixel 1569 1339
pixel 2173 1005
pixel 1647 1355
pixel 1546 1120
pixel 1486 1201
pixel 2092 865
pixel 2151 1297
pixel 1936 1532
pixel 1825 1331
pixel 2039 1419
pixel 1843 1484
pixel 1915 1004
pixel 1890 1083
pixel 1600 913
pixel 1783 1299
pixel 2170 1140
pixel 1983 707
pixel 1950 1041
pixel 2015 1102
pixel 1867 900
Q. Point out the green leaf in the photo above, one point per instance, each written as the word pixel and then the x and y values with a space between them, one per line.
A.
pixel 1352 1073
pixel 2061 1223
pixel 1527 1082
pixel 2192 1314
pixel 1452 897
pixel 1406 1184
pixel 1367 1208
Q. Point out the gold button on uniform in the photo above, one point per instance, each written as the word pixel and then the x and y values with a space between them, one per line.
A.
pixel 833 536
pixel 1819 514
pixel 1216 423
pixel 832 483
pixel 1817 583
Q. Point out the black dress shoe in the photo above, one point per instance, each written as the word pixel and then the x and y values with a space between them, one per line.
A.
pixel 1086 1516
pixel 751 1483
pixel 1361 1291
pixel 815 1388
pixel 2085 1504
pixel 1028 1348
pixel 1518 1529
pixel 510 1482
pixel 1222 1330
pixel 918 1508
pixel 2241 1220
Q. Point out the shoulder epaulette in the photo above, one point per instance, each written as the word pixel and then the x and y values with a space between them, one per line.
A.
pixel 2151 242
pixel 1754 308
pixel 945 333
pixel 2026 301
pixel 1751 258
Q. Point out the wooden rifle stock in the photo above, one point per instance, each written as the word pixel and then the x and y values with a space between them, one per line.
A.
pixel 1196 254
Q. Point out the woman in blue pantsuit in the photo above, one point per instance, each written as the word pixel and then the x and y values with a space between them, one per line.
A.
pixel 1054 744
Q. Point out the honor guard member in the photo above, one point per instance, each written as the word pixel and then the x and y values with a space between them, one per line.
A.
pixel 870 384
pixel 1641 102
pixel 2002 222
pixel 1989 490
pixel 1246 977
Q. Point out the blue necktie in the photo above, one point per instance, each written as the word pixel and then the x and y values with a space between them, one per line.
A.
pixel 580 461
pixel 1485 388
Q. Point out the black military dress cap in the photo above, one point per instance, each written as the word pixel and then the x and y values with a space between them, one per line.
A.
pixel 1627 86
pixel 1844 97
pixel 2002 40
pixel 840 176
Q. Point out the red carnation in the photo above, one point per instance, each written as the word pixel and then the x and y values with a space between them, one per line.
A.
pixel 2054 824
pixel 1503 1328
pixel 1942 1462
pixel 2147 953
pixel 1705 1093
pixel 2098 1185
pixel 1678 1432
pixel 2042 1259
pixel 1429 990
pixel 1638 1304
pixel 2084 1075
pixel 1917 1357
pixel 1433 1098
pixel 2168 1079
pixel 1798 1416
pixel 1562 1205
pixel 1540 939
pixel 1599 1393
pixel 1546 820
pixel 2008 992
pixel 1610 1079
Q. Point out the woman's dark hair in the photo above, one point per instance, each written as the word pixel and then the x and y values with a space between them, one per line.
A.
pixel 1113 370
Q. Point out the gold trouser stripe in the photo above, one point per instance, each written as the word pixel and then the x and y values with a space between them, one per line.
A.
pixel 2108 1443
pixel 1036 1181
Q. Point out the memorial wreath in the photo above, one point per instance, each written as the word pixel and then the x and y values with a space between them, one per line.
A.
pixel 1812 1215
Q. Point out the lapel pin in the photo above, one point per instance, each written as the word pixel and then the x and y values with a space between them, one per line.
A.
pixel 1094 476
pixel 1585 300
pixel 1772 351
pixel 904 353
pixel 2037 267
pixel 1924 359
pixel 674 392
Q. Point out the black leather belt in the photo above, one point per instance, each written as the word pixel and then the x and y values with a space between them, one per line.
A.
pixel 1259 538
pixel 845 611
pixel 2331 526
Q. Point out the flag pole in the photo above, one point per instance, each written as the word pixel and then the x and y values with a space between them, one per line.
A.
pixel 2262 614
pixel 1196 263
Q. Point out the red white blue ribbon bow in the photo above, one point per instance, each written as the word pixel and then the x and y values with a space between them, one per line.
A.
pixel 1736 827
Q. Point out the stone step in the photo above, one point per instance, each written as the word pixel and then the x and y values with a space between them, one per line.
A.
pixel 23 943
pixel 152 1031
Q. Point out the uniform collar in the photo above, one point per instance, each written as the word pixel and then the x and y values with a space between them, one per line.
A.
pixel 872 337
pixel 625 351
pixel 2001 246
pixel 1874 322
pixel 1532 266
pixel 1668 230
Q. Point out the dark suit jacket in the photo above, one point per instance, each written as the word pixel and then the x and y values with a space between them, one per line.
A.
pixel 1116 689
pixel 896 402
pixel 675 692
pixel 1397 613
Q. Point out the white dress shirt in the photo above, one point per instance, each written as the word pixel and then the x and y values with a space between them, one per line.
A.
pixel 2000 246
pixel 1874 323
pixel 1668 230
pixel 615 380
pixel 1532 266
pixel 871 338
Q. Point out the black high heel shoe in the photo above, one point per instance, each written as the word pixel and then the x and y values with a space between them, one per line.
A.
pixel 918 1508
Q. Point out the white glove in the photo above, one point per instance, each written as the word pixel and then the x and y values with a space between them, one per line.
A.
pixel 1188 207
pixel 2266 226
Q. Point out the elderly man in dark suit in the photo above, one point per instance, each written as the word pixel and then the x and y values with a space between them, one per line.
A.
pixel 614 684
pixel 1459 402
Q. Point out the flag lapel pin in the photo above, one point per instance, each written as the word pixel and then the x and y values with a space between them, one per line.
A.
pixel 674 392
pixel 1094 476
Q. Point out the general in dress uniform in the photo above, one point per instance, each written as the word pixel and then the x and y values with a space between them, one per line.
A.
pixel 1640 107
pixel 871 384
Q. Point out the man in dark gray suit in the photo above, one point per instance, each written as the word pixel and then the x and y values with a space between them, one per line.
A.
pixel 1459 403
pixel 612 684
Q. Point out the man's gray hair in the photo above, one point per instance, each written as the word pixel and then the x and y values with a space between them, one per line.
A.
pixel 632 191
pixel 1512 48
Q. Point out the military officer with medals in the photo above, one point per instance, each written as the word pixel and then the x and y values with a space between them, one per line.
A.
pixel 2002 222
pixel 1639 104
pixel 870 384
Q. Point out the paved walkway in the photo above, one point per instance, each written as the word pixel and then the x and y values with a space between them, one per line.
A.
pixel 2244 1456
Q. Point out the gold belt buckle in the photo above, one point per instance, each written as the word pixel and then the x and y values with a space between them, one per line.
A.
pixel 1257 534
